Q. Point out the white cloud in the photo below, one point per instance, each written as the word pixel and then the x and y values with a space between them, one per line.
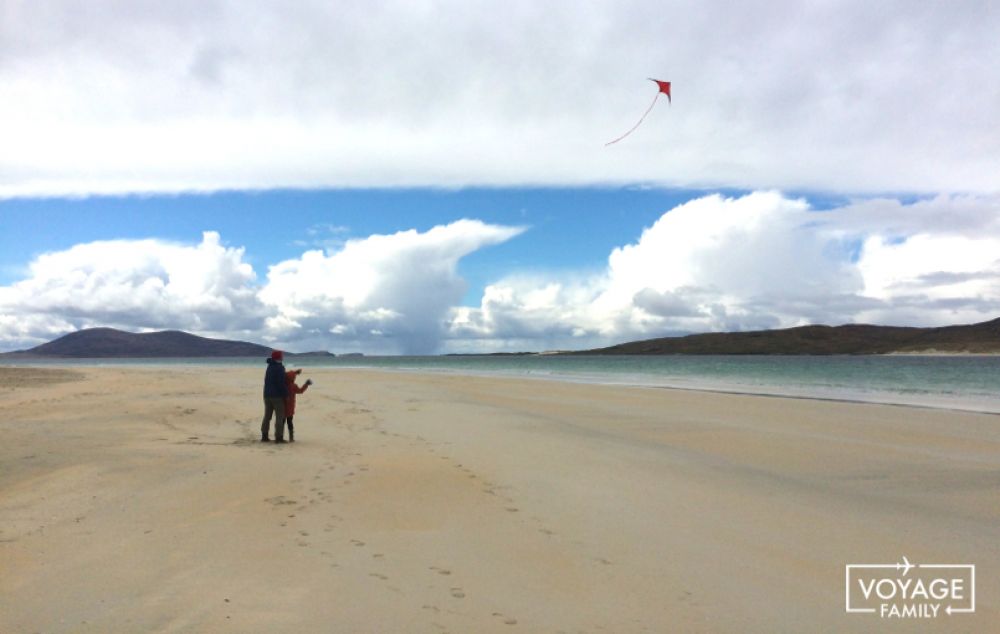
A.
pixel 148 284
pixel 938 280
pixel 140 96
pixel 385 292
pixel 760 261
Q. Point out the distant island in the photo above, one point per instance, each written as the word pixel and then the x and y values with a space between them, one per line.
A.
pixel 981 338
pixel 98 343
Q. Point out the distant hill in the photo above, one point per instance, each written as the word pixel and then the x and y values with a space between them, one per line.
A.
pixel 850 339
pixel 111 343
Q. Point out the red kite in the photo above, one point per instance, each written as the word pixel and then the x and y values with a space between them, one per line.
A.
pixel 664 88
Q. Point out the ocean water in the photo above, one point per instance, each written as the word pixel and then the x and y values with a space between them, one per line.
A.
pixel 950 382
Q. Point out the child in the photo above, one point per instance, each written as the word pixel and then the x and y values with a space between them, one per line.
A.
pixel 293 389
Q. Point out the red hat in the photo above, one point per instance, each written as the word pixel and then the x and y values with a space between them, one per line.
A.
pixel 277 355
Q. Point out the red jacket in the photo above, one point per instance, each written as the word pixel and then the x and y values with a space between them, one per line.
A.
pixel 292 391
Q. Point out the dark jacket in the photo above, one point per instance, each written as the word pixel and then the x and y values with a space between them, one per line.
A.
pixel 274 380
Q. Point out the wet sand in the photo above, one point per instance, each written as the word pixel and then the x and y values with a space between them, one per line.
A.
pixel 140 500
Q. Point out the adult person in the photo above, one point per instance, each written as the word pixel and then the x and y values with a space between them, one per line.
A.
pixel 275 392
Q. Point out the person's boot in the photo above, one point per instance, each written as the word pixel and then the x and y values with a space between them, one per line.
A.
pixel 277 440
pixel 291 435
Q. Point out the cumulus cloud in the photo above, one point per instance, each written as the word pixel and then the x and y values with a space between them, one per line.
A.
pixel 383 293
pixel 388 292
pixel 760 261
pixel 200 95
pixel 938 280
pixel 146 284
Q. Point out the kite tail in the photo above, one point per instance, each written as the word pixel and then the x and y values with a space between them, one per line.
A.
pixel 648 110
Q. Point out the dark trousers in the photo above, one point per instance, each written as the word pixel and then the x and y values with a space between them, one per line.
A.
pixel 291 427
pixel 275 405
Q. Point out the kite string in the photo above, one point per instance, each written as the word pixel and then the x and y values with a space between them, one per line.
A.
pixel 648 110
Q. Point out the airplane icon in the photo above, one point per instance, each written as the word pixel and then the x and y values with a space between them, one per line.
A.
pixel 905 566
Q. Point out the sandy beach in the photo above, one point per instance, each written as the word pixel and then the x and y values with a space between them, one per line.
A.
pixel 139 499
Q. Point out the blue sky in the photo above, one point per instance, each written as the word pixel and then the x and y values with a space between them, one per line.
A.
pixel 572 229
pixel 423 177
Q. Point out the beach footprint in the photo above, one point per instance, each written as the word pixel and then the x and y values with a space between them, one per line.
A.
pixel 507 620
pixel 279 500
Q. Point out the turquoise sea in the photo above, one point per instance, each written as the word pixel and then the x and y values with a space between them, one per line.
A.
pixel 951 382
